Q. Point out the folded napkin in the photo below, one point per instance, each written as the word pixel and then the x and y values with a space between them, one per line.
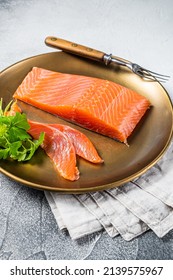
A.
pixel 130 210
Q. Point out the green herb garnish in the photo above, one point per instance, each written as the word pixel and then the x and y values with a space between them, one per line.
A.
pixel 15 142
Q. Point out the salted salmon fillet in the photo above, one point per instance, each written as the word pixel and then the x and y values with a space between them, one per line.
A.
pixel 96 104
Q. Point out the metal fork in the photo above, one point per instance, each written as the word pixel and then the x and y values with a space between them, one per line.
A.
pixel 136 68
pixel 93 54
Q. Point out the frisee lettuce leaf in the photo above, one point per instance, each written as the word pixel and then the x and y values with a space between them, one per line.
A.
pixel 15 142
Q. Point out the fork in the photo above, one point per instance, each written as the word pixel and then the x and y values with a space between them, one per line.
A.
pixel 93 54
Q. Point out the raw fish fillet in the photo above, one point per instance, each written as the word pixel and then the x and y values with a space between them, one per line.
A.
pixel 98 105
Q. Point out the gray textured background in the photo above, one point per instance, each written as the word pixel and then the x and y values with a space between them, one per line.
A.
pixel 139 30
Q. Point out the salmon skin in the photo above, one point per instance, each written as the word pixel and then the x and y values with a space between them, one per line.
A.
pixel 98 105
pixel 62 143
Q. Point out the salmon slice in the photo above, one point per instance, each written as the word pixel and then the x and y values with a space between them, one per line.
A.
pixel 59 148
pixel 83 146
pixel 98 105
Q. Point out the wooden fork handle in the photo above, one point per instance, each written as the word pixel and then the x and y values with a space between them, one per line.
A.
pixel 74 48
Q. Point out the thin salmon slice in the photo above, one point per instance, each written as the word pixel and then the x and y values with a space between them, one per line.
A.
pixel 59 148
pixel 98 105
pixel 83 146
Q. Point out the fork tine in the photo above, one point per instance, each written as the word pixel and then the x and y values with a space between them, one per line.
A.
pixel 165 77
pixel 155 76
pixel 152 77
pixel 159 78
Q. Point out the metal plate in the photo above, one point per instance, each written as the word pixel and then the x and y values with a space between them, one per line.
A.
pixel 121 163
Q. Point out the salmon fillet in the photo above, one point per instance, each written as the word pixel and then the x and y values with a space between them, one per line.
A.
pixel 98 105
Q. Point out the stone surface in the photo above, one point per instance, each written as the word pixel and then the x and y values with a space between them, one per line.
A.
pixel 137 30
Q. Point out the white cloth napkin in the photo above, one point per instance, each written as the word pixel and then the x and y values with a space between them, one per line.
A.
pixel 130 210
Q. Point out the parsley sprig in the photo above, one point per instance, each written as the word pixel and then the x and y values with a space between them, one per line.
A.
pixel 15 142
